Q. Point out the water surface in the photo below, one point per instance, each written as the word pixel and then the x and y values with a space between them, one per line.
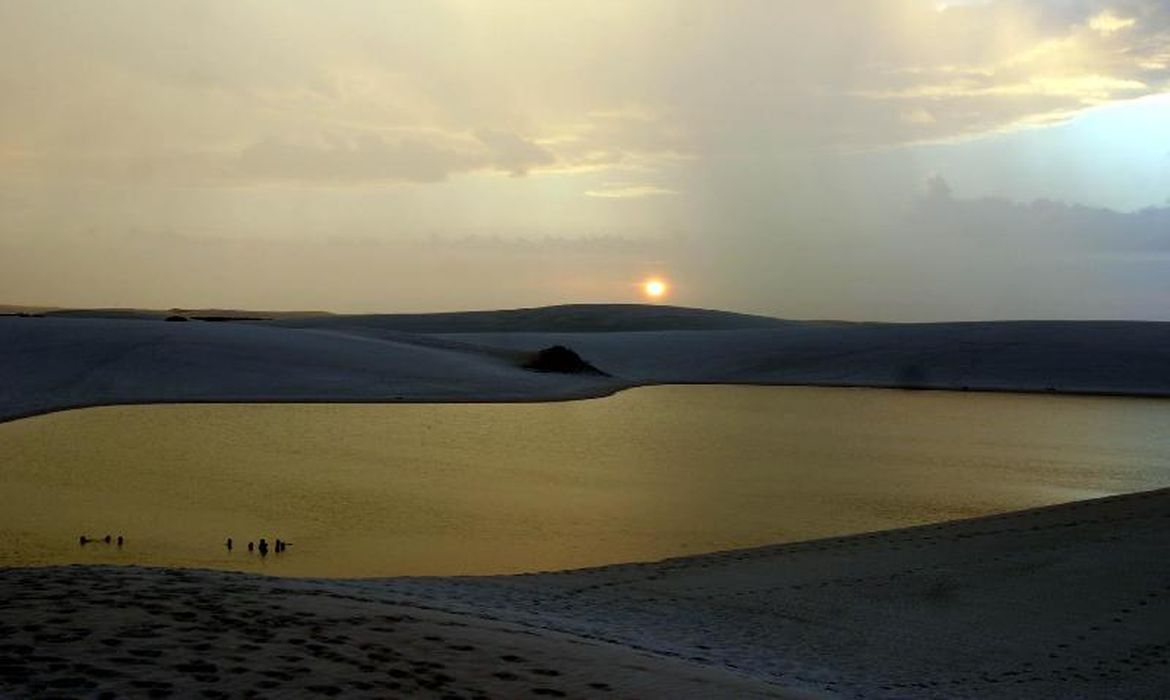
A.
pixel 366 490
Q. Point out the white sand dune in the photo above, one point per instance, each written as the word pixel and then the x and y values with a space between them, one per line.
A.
pixel 1064 602
pixel 49 364
pixel 60 362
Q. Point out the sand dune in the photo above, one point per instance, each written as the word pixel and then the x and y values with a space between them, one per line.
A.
pixel 49 364
pixel 55 363
pixel 1065 602
pixel 568 318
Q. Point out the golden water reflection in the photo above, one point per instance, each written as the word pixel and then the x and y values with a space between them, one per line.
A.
pixel 370 490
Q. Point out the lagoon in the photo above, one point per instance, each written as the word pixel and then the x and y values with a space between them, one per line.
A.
pixel 650 473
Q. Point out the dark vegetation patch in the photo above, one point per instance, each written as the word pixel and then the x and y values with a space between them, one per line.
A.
pixel 560 359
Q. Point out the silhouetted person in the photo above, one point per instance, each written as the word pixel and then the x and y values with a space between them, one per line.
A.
pixel 279 546
pixel 83 540
pixel 263 547
pixel 107 539
pixel 228 544
pixel 120 540
pixel 251 546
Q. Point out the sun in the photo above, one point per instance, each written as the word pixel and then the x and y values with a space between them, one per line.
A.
pixel 654 288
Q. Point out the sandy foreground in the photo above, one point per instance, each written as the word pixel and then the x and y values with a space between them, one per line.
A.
pixel 1069 601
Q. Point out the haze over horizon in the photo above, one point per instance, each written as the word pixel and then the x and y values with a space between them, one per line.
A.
pixel 908 160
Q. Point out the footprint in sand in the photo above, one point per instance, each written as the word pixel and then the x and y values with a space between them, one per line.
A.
pixel 197 666
pixel 324 689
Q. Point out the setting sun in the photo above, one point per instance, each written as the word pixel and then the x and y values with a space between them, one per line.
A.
pixel 655 289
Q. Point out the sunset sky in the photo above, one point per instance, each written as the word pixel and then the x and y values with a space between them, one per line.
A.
pixel 855 159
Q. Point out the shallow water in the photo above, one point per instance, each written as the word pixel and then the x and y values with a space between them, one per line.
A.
pixel 369 490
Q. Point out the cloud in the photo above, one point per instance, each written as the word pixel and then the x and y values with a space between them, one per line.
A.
pixel 368 159
pixel 513 154
pixel 943 257
pixel 715 81
pixel 1107 23
pixel 1000 65
pixel 627 190
pixel 794 128
pixel 352 157
pixel 1042 224
pixel 362 275
pixel 918 116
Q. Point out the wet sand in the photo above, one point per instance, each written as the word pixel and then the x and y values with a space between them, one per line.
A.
pixel 1070 601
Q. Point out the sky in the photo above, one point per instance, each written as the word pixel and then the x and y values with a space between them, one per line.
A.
pixel 896 160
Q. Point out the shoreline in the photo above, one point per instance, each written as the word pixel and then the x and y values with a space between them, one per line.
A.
pixel 601 393
pixel 1021 604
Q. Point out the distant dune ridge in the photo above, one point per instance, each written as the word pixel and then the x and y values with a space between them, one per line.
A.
pixel 72 359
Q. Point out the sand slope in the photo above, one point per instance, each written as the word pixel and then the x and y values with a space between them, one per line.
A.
pixel 54 363
pixel 1063 356
pixel 1070 601
pixel 1061 602
pixel 160 633
pixel 50 363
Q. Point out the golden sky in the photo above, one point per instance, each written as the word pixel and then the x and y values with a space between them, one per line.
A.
pixel 844 158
